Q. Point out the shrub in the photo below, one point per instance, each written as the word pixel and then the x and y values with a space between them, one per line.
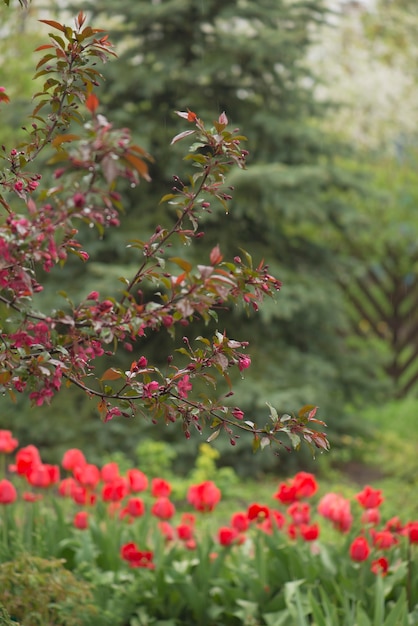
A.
pixel 41 592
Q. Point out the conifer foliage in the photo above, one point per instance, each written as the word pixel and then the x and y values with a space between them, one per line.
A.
pixel 293 205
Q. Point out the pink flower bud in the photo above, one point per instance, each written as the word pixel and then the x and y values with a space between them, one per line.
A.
pixel 79 200
pixel 237 413
pixel 243 363
pixel 223 118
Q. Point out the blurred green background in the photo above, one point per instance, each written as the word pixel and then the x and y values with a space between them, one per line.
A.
pixel 328 200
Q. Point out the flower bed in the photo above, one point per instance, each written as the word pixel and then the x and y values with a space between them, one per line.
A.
pixel 153 558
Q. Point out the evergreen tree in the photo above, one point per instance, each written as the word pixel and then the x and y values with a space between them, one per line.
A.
pixel 249 59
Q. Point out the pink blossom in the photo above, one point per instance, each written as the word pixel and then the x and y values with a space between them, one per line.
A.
pixel 111 413
pixel 184 386
pixel 149 389
pixel 32 185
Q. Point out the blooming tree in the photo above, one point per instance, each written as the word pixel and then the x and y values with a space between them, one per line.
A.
pixel 40 350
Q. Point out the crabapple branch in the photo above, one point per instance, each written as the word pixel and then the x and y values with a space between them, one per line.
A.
pixel 41 348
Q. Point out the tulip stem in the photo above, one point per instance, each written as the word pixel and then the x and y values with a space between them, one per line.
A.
pixel 409 575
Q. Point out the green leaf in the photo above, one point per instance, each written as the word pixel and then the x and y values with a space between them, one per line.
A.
pixel 281 618
pixel 399 613
pixel 326 560
pixel 264 442
pixel 204 340
pixel 379 602
pixel 317 611
pixel 273 413
pixel 213 436
pixel 361 617
pixel 295 440
pixel 167 197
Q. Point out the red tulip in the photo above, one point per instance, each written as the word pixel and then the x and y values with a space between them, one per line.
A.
pixel 370 498
pixel 7 443
pixel 394 524
pixel 81 520
pixel 380 566
pixel 184 532
pixel 258 512
pixel 359 549
pixel 300 512
pixel 292 531
pixel 39 476
pixel 160 488
pixel 128 551
pixel 137 558
pixel 370 516
pixel 305 485
pixel 135 507
pixel 383 539
pixel 166 530
pixel 278 518
pixel 109 472
pixel 87 475
pixel 227 536
pixel 66 486
pixel 116 490
pixel 309 532
pixel 8 493
pixel 72 458
pixel 26 459
pixel 137 480
pixel 286 493
pixel 81 495
pixel 205 496
pixel 337 509
pixel 412 531
pixel 240 522
pixel 163 508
